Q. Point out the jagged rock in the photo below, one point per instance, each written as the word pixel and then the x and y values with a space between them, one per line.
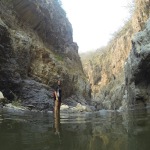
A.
pixel 36 94
pixel 76 104
pixel 105 67
pixel 37 48
pixel 137 70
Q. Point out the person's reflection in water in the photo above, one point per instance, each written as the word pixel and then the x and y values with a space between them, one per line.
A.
pixel 57 97
pixel 57 125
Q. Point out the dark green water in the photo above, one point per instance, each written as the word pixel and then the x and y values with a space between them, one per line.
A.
pixel 98 131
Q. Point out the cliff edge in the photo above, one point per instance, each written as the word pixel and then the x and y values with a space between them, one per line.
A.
pixel 36 49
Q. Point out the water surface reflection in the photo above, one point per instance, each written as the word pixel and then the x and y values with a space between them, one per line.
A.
pixel 103 130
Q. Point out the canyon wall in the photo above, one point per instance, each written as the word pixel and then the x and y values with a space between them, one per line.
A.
pixel 105 67
pixel 37 49
pixel 137 69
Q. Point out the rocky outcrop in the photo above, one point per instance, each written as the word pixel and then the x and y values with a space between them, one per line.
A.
pixel 36 48
pixel 48 20
pixel 1 95
pixel 137 69
pixel 105 67
pixel 140 15
pixel 105 71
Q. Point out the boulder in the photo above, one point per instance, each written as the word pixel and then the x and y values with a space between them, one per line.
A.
pixel 1 95
pixel 36 95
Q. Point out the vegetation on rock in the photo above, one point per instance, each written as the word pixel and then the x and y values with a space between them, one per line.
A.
pixel 37 48
pixel 105 67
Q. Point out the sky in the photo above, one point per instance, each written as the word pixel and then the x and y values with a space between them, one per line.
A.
pixel 94 21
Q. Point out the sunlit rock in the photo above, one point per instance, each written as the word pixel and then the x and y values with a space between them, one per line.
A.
pixel 105 67
pixel 1 95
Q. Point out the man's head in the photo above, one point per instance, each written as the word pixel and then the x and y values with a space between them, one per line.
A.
pixel 59 82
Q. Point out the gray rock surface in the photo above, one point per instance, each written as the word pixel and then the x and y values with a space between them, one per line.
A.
pixel 76 104
pixel 37 48
pixel 105 67
pixel 137 69
pixel 36 94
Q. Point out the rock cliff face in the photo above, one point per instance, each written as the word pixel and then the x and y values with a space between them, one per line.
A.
pixel 36 48
pixel 137 69
pixel 105 68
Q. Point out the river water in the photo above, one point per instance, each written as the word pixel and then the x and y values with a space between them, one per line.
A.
pixel 103 130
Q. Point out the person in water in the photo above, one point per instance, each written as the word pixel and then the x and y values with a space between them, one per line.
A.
pixel 57 103
pixel 57 97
